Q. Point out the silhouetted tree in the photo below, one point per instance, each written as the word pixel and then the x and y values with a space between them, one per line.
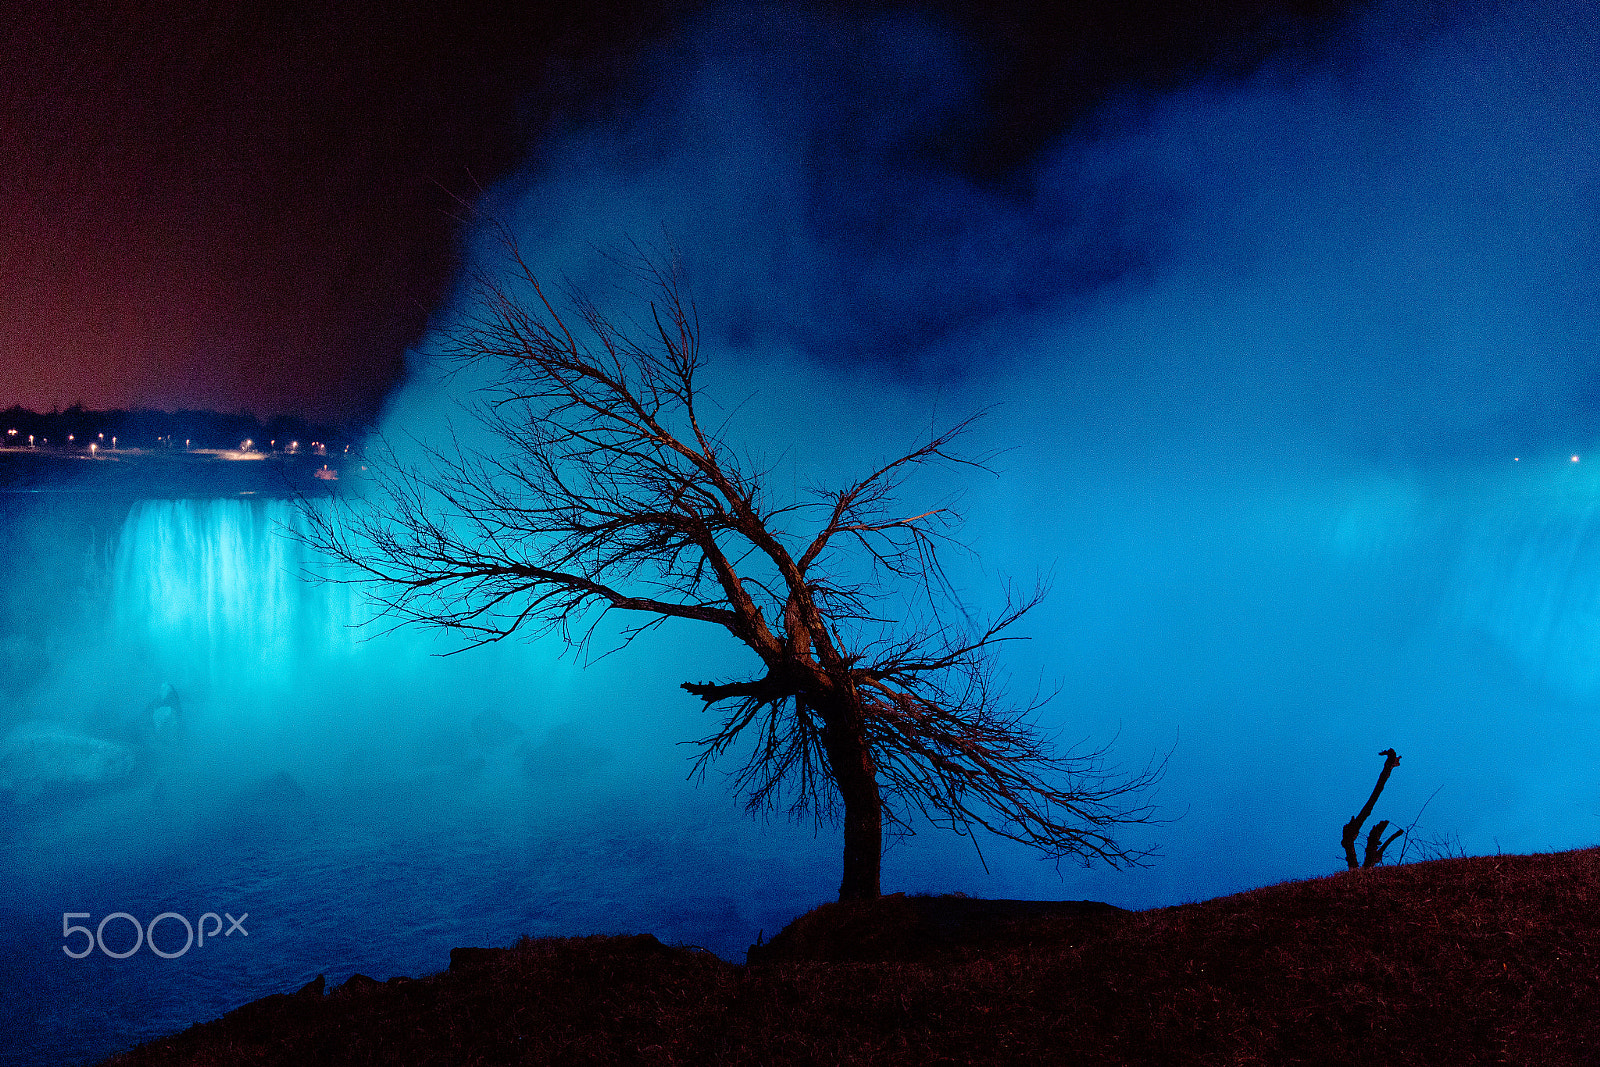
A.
pixel 611 493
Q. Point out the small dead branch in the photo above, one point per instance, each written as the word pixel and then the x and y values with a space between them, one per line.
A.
pixel 1376 844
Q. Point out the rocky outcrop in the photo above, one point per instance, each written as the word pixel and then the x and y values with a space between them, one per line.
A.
pixel 916 928
pixel 43 757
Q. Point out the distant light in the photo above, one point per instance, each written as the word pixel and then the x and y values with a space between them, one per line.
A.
pixel 11 433
pixel 1574 459
pixel 1516 459
pixel 70 437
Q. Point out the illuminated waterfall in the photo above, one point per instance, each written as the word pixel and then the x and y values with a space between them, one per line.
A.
pixel 1528 576
pixel 213 592
pixel 273 666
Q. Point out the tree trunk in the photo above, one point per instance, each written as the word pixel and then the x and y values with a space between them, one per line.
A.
pixel 856 775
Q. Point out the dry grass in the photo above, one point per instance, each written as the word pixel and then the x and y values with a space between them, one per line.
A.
pixel 1455 961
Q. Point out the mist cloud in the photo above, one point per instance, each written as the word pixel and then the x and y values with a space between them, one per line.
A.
pixel 1265 351
pixel 1388 242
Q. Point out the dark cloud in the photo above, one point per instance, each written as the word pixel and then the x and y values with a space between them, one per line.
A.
pixel 817 170
pixel 260 205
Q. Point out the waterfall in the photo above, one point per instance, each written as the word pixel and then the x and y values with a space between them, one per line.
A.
pixel 1528 576
pixel 216 590
pixel 508 791
pixel 274 667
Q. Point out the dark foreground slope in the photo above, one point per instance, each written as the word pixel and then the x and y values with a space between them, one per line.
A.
pixel 1461 961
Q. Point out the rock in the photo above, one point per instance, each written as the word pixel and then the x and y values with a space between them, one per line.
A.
pixel 472 959
pixel 314 988
pixel 921 928
pixel 359 983
pixel 643 945
pixel 256 1011
pixel 494 730
pixel 40 756
pixel 563 755
pixel 166 715
pixel 278 788
pixel 22 662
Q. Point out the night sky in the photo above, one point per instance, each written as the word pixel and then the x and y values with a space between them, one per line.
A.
pixel 261 205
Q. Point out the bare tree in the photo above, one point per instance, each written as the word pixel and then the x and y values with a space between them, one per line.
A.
pixel 607 492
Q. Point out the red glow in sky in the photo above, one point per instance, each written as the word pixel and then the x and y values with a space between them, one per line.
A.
pixel 258 205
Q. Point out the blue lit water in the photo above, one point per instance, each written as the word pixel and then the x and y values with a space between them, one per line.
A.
pixel 371 805
pixel 382 884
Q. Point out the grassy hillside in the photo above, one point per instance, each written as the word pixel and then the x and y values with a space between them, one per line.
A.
pixel 1492 959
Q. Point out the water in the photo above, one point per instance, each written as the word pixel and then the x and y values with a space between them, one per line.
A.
pixel 380 885
pixel 369 805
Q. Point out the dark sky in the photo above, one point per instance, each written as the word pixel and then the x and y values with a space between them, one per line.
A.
pixel 258 205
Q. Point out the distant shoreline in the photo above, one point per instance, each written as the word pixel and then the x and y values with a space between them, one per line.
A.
pixel 162 473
